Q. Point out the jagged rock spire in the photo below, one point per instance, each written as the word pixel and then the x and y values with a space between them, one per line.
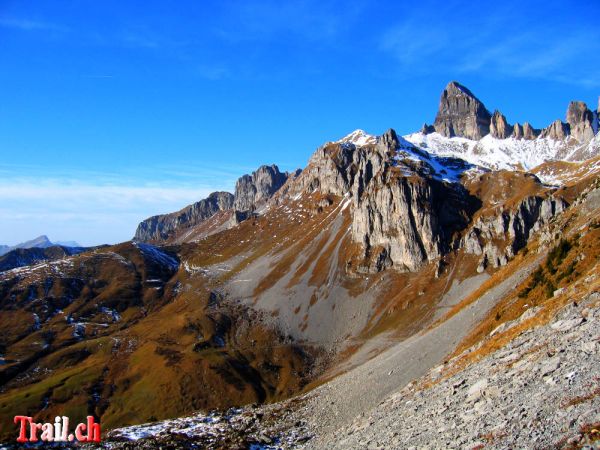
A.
pixel 580 120
pixel 251 190
pixel 525 131
pixel 557 130
pixel 499 127
pixel 389 139
pixel 596 121
pixel 461 113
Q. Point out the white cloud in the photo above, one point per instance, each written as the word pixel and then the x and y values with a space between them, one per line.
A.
pixel 88 212
pixel 29 25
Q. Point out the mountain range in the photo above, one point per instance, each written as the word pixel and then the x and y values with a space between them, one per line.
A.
pixel 465 140
pixel 389 269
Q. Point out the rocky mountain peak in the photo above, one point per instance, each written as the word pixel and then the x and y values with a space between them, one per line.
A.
pixel 389 139
pixel 462 114
pixel 359 138
pixel 222 199
pixel 529 132
pixel 580 120
pixel 525 131
pixel 253 190
pixel 499 127
pixel 557 130
pixel 40 241
pixel 455 88
pixel 161 227
pixel 427 129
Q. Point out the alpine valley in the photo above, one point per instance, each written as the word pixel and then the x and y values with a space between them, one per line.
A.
pixel 438 289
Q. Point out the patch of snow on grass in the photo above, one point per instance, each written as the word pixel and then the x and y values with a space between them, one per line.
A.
pixel 157 255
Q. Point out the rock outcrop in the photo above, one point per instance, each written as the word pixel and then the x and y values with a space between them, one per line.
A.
pixel 596 119
pixel 397 226
pixel 161 227
pixel 461 114
pixel 529 133
pixel 399 221
pixel 511 227
pixel 582 124
pixel 525 131
pixel 403 216
pixel 251 191
pixel 580 120
pixel 427 129
pixel 557 130
pixel 499 127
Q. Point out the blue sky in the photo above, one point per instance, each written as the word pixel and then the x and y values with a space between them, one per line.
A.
pixel 113 111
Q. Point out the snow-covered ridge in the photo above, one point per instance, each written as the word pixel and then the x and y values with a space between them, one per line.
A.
pixel 444 155
pixel 358 138
pixel 497 154
pixel 446 168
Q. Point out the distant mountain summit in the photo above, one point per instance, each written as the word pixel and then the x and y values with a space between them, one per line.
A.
pixel 461 113
pixel 39 242
pixel 464 128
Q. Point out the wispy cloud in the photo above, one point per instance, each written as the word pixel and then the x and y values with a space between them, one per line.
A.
pixel 29 25
pixel 90 212
pixel 307 19
pixel 95 206
pixel 142 40
pixel 428 39
pixel 102 196
pixel 100 76
pixel 215 71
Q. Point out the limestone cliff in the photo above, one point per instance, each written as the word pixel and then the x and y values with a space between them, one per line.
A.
pixel 161 227
pixel 253 190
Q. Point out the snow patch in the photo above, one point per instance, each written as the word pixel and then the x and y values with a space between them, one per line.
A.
pixel 190 426
pixel 496 154
pixel 447 168
pixel 112 313
pixel 157 255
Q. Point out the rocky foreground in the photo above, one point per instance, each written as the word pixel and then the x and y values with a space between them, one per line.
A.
pixel 539 391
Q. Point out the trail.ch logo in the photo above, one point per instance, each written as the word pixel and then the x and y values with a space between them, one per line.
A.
pixel 30 431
